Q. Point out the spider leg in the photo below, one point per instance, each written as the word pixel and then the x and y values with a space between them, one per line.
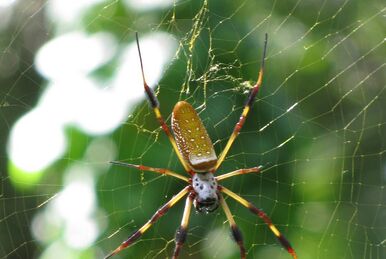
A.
pixel 160 212
pixel 183 229
pixel 152 169
pixel 238 172
pixel 246 109
pixel 283 241
pixel 236 233
pixel 155 105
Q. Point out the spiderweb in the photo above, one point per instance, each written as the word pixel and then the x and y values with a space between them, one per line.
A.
pixel 317 125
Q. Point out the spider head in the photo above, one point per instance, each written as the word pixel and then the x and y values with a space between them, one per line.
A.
pixel 205 187
pixel 206 206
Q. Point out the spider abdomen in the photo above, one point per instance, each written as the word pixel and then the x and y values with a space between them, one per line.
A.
pixel 192 139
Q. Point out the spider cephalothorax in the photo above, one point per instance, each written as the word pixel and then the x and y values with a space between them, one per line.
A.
pixel 205 187
pixel 195 151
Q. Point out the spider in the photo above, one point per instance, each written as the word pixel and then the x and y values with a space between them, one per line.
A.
pixel 195 152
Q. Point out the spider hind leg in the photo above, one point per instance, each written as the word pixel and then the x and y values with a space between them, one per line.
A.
pixel 182 230
pixel 160 212
pixel 236 233
pixel 283 241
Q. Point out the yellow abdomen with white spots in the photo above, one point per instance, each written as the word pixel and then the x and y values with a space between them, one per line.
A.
pixel 192 139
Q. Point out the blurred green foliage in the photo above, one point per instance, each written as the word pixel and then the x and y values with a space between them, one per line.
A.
pixel 324 188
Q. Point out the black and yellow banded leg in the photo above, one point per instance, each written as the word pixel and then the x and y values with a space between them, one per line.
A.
pixel 163 171
pixel 183 229
pixel 160 212
pixel 236 233
pixel 283 241
pixel 246 109
pixel 238 172
pixel 155 105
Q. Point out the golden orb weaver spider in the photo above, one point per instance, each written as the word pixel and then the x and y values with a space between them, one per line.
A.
pixel 195 151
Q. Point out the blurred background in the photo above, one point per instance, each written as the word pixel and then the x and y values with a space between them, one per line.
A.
pixel 71 100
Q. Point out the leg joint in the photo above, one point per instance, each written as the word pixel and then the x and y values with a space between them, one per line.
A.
pixel 132 238
pixel 151 96
pixel 236 234
pixel 284 242
pixel 162 211
pixel 181 234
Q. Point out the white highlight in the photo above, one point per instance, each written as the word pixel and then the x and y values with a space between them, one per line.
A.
pixel 290 108
pixel 145 5
pixel 265 126
pixel 7 10
pixel 73 97
pixel 76 205
pixel 71 214
pixel 58 250
pixel 7 3
pixel 286 141
pixel 74 53
pixel 156 50
pixel 35 131
pixel 69 11
pixel 82 233
pixel 75 201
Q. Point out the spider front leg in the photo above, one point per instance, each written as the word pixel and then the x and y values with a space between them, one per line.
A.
pixel 160 212
pixel 155 105
pixel 283 241
pixel 236 233
pixel 246 109
pixel 183 229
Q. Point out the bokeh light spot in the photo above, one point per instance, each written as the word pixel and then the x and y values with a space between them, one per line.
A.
pixel 7 3
pixel 34 131
pixel 75 201
pixel 74 53
pixel 144 5
pixel 68 12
